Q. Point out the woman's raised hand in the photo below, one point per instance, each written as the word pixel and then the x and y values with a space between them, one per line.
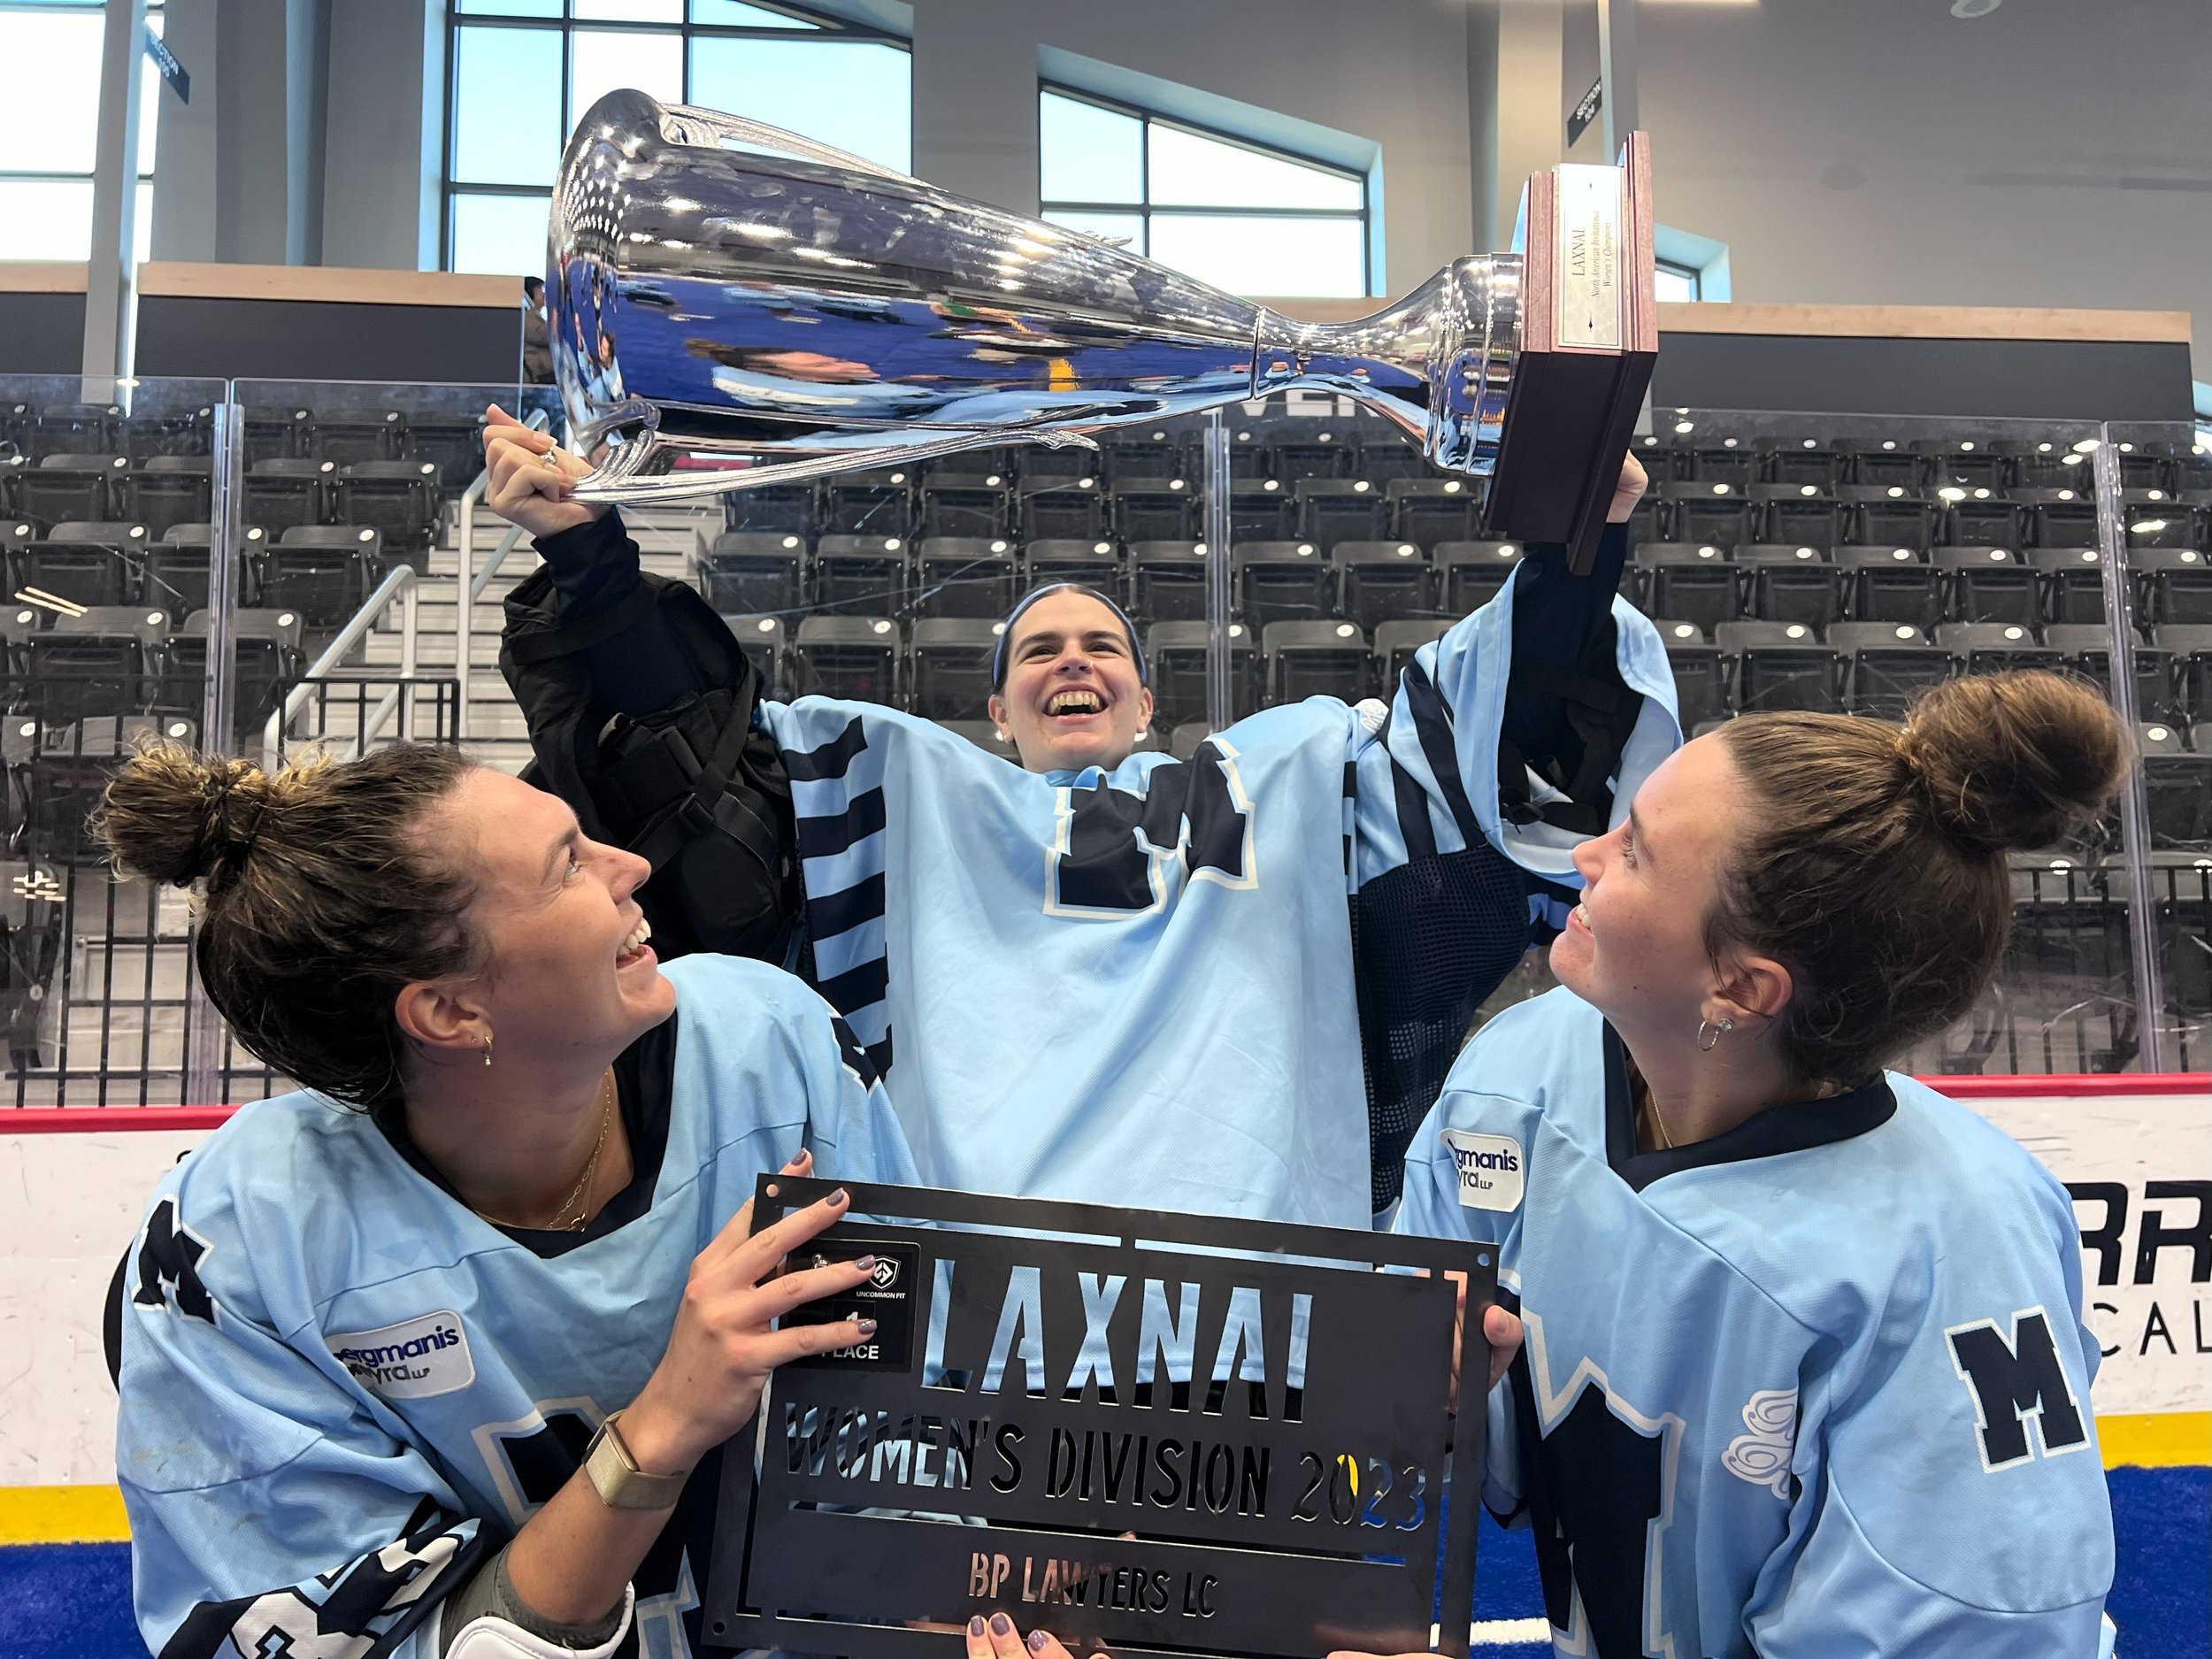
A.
pixel 708 1383
pixel 531 476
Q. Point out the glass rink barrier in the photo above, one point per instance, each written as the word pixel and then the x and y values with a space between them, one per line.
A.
pixel 264 567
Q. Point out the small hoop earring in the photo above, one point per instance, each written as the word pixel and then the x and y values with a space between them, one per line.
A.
pixel 488 1051
pixel 1707 1035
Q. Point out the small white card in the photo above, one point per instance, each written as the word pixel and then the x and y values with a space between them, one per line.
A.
pixel 1490 1174
pixel 411 1360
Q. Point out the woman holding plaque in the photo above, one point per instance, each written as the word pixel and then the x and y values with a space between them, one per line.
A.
pixel 1805 1372
pixel 1113 976
pixel 435 1355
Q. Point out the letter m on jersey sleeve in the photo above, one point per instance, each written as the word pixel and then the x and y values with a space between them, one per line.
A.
pixel 2012 1379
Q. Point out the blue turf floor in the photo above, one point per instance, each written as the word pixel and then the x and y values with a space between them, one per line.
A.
pixel 73 1600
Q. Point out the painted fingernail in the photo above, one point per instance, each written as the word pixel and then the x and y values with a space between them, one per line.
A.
pixel 839 1199
pixel 976 1626
pixel 1001 1625
pixel 866 1327
pixel 1037 1640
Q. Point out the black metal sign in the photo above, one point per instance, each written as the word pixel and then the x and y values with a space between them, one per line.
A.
pixel 1156 1433
pixel 1580 118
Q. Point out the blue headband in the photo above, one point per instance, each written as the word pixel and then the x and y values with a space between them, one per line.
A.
pixel 1006 628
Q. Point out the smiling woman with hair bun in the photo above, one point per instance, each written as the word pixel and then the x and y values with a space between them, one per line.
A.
pixel 369 1326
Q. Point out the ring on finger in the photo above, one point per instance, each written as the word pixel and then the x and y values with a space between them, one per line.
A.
pixel 551 458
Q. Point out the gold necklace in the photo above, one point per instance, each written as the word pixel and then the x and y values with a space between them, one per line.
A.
pixel 1650 1104
pixel 580 1195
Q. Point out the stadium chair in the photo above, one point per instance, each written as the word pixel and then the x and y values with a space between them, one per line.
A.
pixel 776 509
pixel 1978 518
pixel 283 492
pixel 2182 882
pixel 1153 508
pixel 1395 642
pixel 1887 515
pixel 2066 965
pixel 951 667
pixel 1729 461
pixel 2157 519
pixel 1094 564
pixel 1296 458
pixel 1883 461
pixel 1167 580
pixel 2072 583
pixel 77 429
pixel 1781 583
pixel 325 581
pixel 1886 666
pixel 1261 510
pixel 11 468
pixel 2189 467
pixel 20 534
pixel 267 648
pixel 2087 647
pixel 277 433
pixel 89 664
pixel 768 642
pixel 1987 584
pixel 2174 585
pixel 1989 648
pixel 61 487
pixel 1889 584
pixel 399 499
pixel 2041 464
pixel 1380 580
pixel 1692 582
pixel 2154 739
pixel 860 575
pixel 176 567
pixel 879 503
pixel 1248 455
pixel 1962 464
pixel 1427 510
pixel 1701 674
pixel 855 658
pixel 2059 518
pixel 965 576
pixel 1715 514
pixel 1176 653
pixel 1333 509
pixel 1473 573
pixel 375 436
pixel 1281 582
pixel 2190 644
pixel 1043 466
pixel 68 768
pixel 2142 466
pixel 1663 463
pixel 1644 521
pixel 168 489
pixel 453 444
pixel 1142 454
pixel 969 504
pixel 1385 459
pixel 1780 665
pixel 996 467
pixel 1316 659
pixel 99 564
pixel 1801 461
pixel 1070 512
pixel 746 572
pixel 1802 514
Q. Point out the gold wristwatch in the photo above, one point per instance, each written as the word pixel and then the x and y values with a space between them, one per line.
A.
pixel 620 1483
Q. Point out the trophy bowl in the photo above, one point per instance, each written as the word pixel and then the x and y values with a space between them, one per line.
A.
pixel 716 287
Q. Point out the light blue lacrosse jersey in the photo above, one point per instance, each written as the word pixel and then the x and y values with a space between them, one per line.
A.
pixel 1817 1387
pixel 1138 987
pixel 341 1389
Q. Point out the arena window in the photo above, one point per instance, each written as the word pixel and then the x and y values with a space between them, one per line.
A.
pixel 1676 281
pixel 49 118
pixel 519 72
pixel 1226 211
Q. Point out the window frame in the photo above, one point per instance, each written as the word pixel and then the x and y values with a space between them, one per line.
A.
pixel 144 179
pixel 1144 209
pixel 825 27
pixel 1691 274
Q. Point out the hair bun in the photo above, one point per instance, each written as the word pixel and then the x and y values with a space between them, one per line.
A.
pixel 2013 760
pixel 172 815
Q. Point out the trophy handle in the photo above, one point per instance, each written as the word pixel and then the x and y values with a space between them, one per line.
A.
pixel 689 123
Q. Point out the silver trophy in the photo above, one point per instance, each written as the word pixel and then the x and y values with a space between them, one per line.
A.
pixel 720 288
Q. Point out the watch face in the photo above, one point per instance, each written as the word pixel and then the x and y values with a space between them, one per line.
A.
pixel 886 1296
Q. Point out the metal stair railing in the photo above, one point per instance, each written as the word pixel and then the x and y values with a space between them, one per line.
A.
pixel 471 581
pixel 404 584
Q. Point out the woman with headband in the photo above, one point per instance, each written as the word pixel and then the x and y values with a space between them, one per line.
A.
pixel 1119 976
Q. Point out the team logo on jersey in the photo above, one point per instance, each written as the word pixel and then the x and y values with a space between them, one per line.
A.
pixel 412 1359
pixel 1490 1174
pixel 169 1258
pixel 1762 1456
pixel 2012 1381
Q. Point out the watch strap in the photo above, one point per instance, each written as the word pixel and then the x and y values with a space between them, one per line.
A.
pixel 620 1483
